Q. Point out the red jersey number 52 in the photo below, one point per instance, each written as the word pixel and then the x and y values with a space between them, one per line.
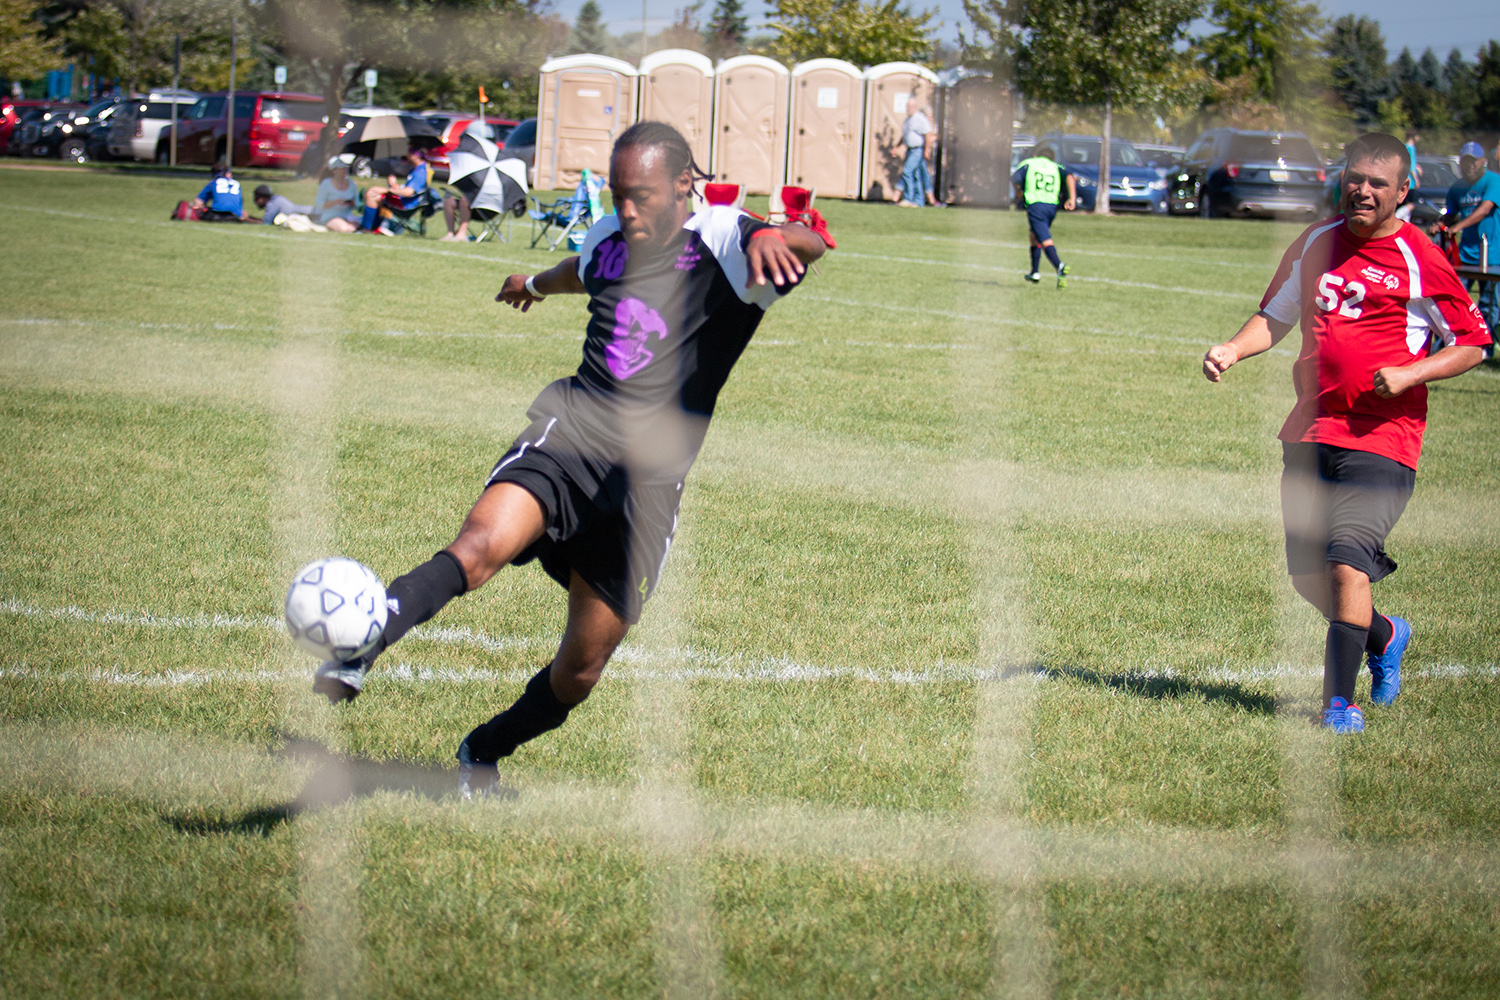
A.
pixel 1335 293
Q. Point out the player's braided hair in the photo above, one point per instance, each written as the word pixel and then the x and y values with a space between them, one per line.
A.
pixel 670 142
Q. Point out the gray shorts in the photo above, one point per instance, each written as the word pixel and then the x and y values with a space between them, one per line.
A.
pixel 1338 505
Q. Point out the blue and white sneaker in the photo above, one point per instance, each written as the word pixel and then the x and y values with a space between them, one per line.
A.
pixel 475 777
pixel 1385 668
pixel 1342 717
pixel 339 681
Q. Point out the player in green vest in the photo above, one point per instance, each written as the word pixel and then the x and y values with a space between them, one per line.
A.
pixel 1039 181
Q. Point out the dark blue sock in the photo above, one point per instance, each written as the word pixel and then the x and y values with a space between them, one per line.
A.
pixel 1036 258
pixel 371 214
pixel 1052 256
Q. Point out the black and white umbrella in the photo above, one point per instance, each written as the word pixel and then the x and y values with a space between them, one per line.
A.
pixel 390 135
pixel 489 183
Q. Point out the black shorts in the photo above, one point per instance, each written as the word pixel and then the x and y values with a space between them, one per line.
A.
pixel 614 533
pixel 1039 218
pixel 1338 505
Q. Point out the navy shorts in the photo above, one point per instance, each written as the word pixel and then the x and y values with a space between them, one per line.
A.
pixel 1039 218
pixel 1338 505
pixel 612 532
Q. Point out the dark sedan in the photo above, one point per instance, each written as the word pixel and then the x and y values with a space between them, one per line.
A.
pixel 1231 171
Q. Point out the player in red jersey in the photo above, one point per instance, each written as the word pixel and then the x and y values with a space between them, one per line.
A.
pixel 1382 314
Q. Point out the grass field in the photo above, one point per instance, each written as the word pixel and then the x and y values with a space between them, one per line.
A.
pixel 975 671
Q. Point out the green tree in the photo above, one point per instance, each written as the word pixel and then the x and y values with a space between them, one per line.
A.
pixel 1459 75
pixel 1266 58
pixel 589 34
pixel 865 34
pixel 996 36
pixel 1355 49
pixel 1486 114
pixel 24 53
pixel 1421 104
pixel 1115 53
pixel 728 30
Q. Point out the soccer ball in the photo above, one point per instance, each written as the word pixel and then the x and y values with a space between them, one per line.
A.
pixel 335 608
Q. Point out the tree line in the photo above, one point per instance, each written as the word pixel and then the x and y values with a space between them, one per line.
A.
pixel 1080 63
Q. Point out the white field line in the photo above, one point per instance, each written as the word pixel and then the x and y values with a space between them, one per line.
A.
pixel 1242 296
pixel 629 663
pixel 1188 258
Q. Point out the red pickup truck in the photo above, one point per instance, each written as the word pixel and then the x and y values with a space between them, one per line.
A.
pixel 270 129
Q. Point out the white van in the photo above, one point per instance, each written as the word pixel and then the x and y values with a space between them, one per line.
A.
pixel 137 127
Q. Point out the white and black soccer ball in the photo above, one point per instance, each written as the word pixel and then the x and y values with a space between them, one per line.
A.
pixel 335 608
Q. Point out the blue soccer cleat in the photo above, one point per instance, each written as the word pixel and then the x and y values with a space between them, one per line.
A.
pixel 1385 668
pixel 1342 717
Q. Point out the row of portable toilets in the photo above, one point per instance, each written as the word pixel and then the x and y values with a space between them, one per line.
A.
pixel 823 124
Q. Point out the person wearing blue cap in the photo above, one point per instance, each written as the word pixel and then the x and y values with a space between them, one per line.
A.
pixel 1471 213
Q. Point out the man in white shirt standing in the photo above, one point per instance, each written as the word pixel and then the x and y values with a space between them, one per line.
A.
pixel 918 135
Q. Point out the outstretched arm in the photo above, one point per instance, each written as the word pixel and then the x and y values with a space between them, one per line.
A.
pixel 1259 334
pixel 560 280
pixel 782 253
pixel 1475 217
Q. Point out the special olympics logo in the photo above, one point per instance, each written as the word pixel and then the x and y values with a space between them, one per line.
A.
pixel 635 323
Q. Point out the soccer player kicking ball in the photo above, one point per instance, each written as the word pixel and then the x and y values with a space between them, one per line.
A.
pixel 592 486
pixel 1039 181
pixel 1382 314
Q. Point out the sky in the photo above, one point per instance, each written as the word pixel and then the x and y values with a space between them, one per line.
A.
pixel 1441 24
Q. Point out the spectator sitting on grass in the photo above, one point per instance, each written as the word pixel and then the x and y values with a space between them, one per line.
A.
pixel 401 195
pixel 220 199
pixel 273 205
pixel 337 195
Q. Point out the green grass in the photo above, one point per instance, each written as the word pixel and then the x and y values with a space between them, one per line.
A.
pixel 793 781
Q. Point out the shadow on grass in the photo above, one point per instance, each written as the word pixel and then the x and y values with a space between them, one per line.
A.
pixel 1160 688
pixel 336 780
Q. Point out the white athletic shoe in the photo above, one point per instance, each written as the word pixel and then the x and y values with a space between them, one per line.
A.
pixel 1034 277
pixel 339 681
pixel 475 777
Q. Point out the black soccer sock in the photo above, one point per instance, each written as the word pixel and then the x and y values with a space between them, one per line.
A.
pixel 1381 633
pixel 1342 654
pixel 1036 259
pixel 1052 256
pixel 537 711
pixel 417 596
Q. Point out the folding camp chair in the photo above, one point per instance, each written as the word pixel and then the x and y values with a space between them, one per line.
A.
pixel 732 195
pixel 412 220
pixel 566 219
pixel 491 222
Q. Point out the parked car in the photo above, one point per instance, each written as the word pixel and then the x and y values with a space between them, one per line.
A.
pixel 521 144
pixel 1159 156
pixel 11 113
pixel 1439 173
pixel 38 131
pixel 452 128
pixel 66 137
pixel 142 127
pixel 1230 171
pixel 1133 185
pixel 270 129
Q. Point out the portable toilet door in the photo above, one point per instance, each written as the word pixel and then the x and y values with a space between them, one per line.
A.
pixel 750 107
pixel 827 115
pixel 677 87
pixel 975 138
pixel 887 89
pixel 585 102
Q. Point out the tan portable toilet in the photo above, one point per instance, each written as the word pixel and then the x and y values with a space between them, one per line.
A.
pixel 585 102
pixel 750 107
pixel 975 140
pixel 827 119
pixel 677 87
pixel 887 89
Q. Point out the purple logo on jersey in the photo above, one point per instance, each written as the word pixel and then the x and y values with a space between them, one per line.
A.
pixel 611 260
pixel 690 255
pixel 635 322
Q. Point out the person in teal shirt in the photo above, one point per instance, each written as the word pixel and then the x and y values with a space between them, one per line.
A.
pixel 1471 212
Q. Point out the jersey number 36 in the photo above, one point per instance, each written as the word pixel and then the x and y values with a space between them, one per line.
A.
pixel 1334 293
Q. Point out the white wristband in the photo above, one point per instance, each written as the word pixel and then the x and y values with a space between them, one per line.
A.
pixel 531 289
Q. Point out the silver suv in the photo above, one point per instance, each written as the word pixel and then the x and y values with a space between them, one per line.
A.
pixel 136 129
